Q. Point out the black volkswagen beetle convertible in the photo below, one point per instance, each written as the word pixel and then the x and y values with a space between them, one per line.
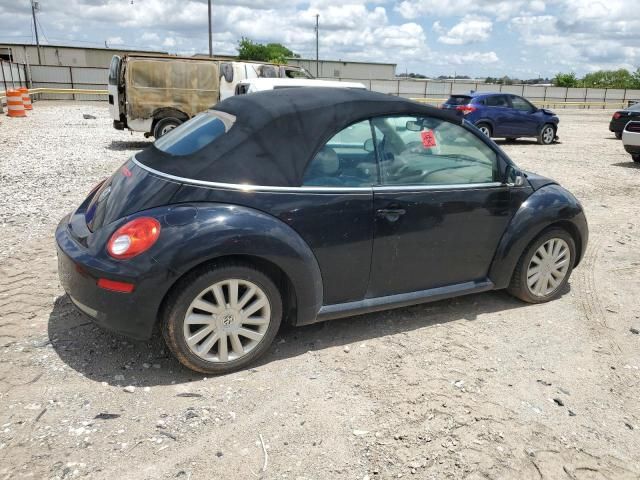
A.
pixel 307 204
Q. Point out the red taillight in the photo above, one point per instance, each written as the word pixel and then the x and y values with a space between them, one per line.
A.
pixel 616 115
pixel 133 238
pixel 466 109
pixel 122 287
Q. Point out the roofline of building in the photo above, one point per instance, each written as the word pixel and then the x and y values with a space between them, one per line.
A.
pixel 313 60
pixel 110 49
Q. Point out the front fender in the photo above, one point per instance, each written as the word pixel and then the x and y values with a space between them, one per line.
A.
pixel 547 206
pixel 202 232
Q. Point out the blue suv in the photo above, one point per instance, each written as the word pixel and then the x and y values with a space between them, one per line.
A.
pixel 503 115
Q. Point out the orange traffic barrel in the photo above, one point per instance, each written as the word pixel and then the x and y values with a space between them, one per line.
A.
pixel 15 107
pixel 26 98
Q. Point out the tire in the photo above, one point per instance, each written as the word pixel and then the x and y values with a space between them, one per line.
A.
pixel 165 125
pixel 522 284
pixel 635 158
pixel 485 128
pixel 511 139
pixel 618 135
pixel 197 290
pixel 547 134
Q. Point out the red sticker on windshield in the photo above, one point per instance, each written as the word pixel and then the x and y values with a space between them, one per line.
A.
pixel 428 139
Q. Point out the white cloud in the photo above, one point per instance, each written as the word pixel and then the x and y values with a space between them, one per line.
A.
pixel 475 58
pixel 471 29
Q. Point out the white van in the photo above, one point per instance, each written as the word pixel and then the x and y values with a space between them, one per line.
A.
pixel 261 84
pixel 155 93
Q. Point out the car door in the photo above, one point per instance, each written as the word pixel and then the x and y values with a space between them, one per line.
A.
pixel 526 122
pixel 499 112
pixel 440 208
pixel 333 211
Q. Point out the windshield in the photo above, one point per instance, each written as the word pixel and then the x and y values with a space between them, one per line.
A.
pixel 459 100
pixel 195 134
pixel 114 70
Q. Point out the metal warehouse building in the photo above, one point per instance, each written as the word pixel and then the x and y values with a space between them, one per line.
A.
pixel 67 56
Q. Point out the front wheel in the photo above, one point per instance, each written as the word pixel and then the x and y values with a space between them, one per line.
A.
pixel 547 135
pixel 545 267
pixel 222 318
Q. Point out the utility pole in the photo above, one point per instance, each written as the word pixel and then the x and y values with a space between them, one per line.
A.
pixel 210 36
pixel 317 46
pixel 34 7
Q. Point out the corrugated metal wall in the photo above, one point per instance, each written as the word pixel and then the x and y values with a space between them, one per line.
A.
pixel 89 78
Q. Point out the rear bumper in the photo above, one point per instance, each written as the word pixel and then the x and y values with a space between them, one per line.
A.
pixel 131 314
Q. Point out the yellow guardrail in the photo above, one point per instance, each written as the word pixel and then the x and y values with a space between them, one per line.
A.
pixel 70 91
pixel 438 101
pixel 545 103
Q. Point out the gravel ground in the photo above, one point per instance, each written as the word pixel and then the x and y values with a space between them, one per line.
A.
pixel 477 387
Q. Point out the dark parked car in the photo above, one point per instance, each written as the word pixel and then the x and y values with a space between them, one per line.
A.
pixel 304 205
pixel 503 115
pixel 622 117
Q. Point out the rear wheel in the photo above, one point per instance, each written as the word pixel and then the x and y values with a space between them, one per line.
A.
pixel 485 128
pixel 165 125
pixel 544 268
pixel 222 318
pixel 547 135
pixel 635 158
pixel 618 135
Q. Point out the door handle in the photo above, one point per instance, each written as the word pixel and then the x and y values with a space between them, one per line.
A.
pixel 391 214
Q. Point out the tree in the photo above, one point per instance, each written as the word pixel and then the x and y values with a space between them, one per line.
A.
pixel 566 80
pixel 271 52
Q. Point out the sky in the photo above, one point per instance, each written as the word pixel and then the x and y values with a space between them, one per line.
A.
pixel 523 39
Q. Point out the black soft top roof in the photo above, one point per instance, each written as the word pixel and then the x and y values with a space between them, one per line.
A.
pixel 277 132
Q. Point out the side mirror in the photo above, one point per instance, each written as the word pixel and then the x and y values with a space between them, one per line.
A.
pixel 515 177
pixel 369 146
pixel 414 126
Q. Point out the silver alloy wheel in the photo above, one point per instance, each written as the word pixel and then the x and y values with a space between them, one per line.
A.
pixel 548 267
pixel 227 320
pixel 547 135
pixel 484 129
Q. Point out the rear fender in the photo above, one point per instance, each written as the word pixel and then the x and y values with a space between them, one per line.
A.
pixel 547 206
pixel 196 233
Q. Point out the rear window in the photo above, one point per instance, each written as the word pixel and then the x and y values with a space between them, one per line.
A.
pixel 195 134
pixel 459 100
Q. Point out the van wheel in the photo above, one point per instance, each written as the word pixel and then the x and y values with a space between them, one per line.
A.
pixel 545 267
pixel 547 135
pixel 165 125
pixel 222 318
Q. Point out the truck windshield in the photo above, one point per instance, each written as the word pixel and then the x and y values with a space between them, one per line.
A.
pixel 195 134
pixel 114 70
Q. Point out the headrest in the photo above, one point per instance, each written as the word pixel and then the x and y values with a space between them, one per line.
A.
pixel 326 162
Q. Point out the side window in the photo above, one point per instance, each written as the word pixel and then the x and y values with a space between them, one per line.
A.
pixel 429 151
pixel 521 104
pixel 346 160
pixel 497 101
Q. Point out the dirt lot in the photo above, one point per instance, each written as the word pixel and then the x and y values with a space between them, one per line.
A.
pixel 477 387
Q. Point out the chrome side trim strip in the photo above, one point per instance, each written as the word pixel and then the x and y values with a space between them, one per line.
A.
pixel 460 186
pixel 356 190
pixel 254 188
